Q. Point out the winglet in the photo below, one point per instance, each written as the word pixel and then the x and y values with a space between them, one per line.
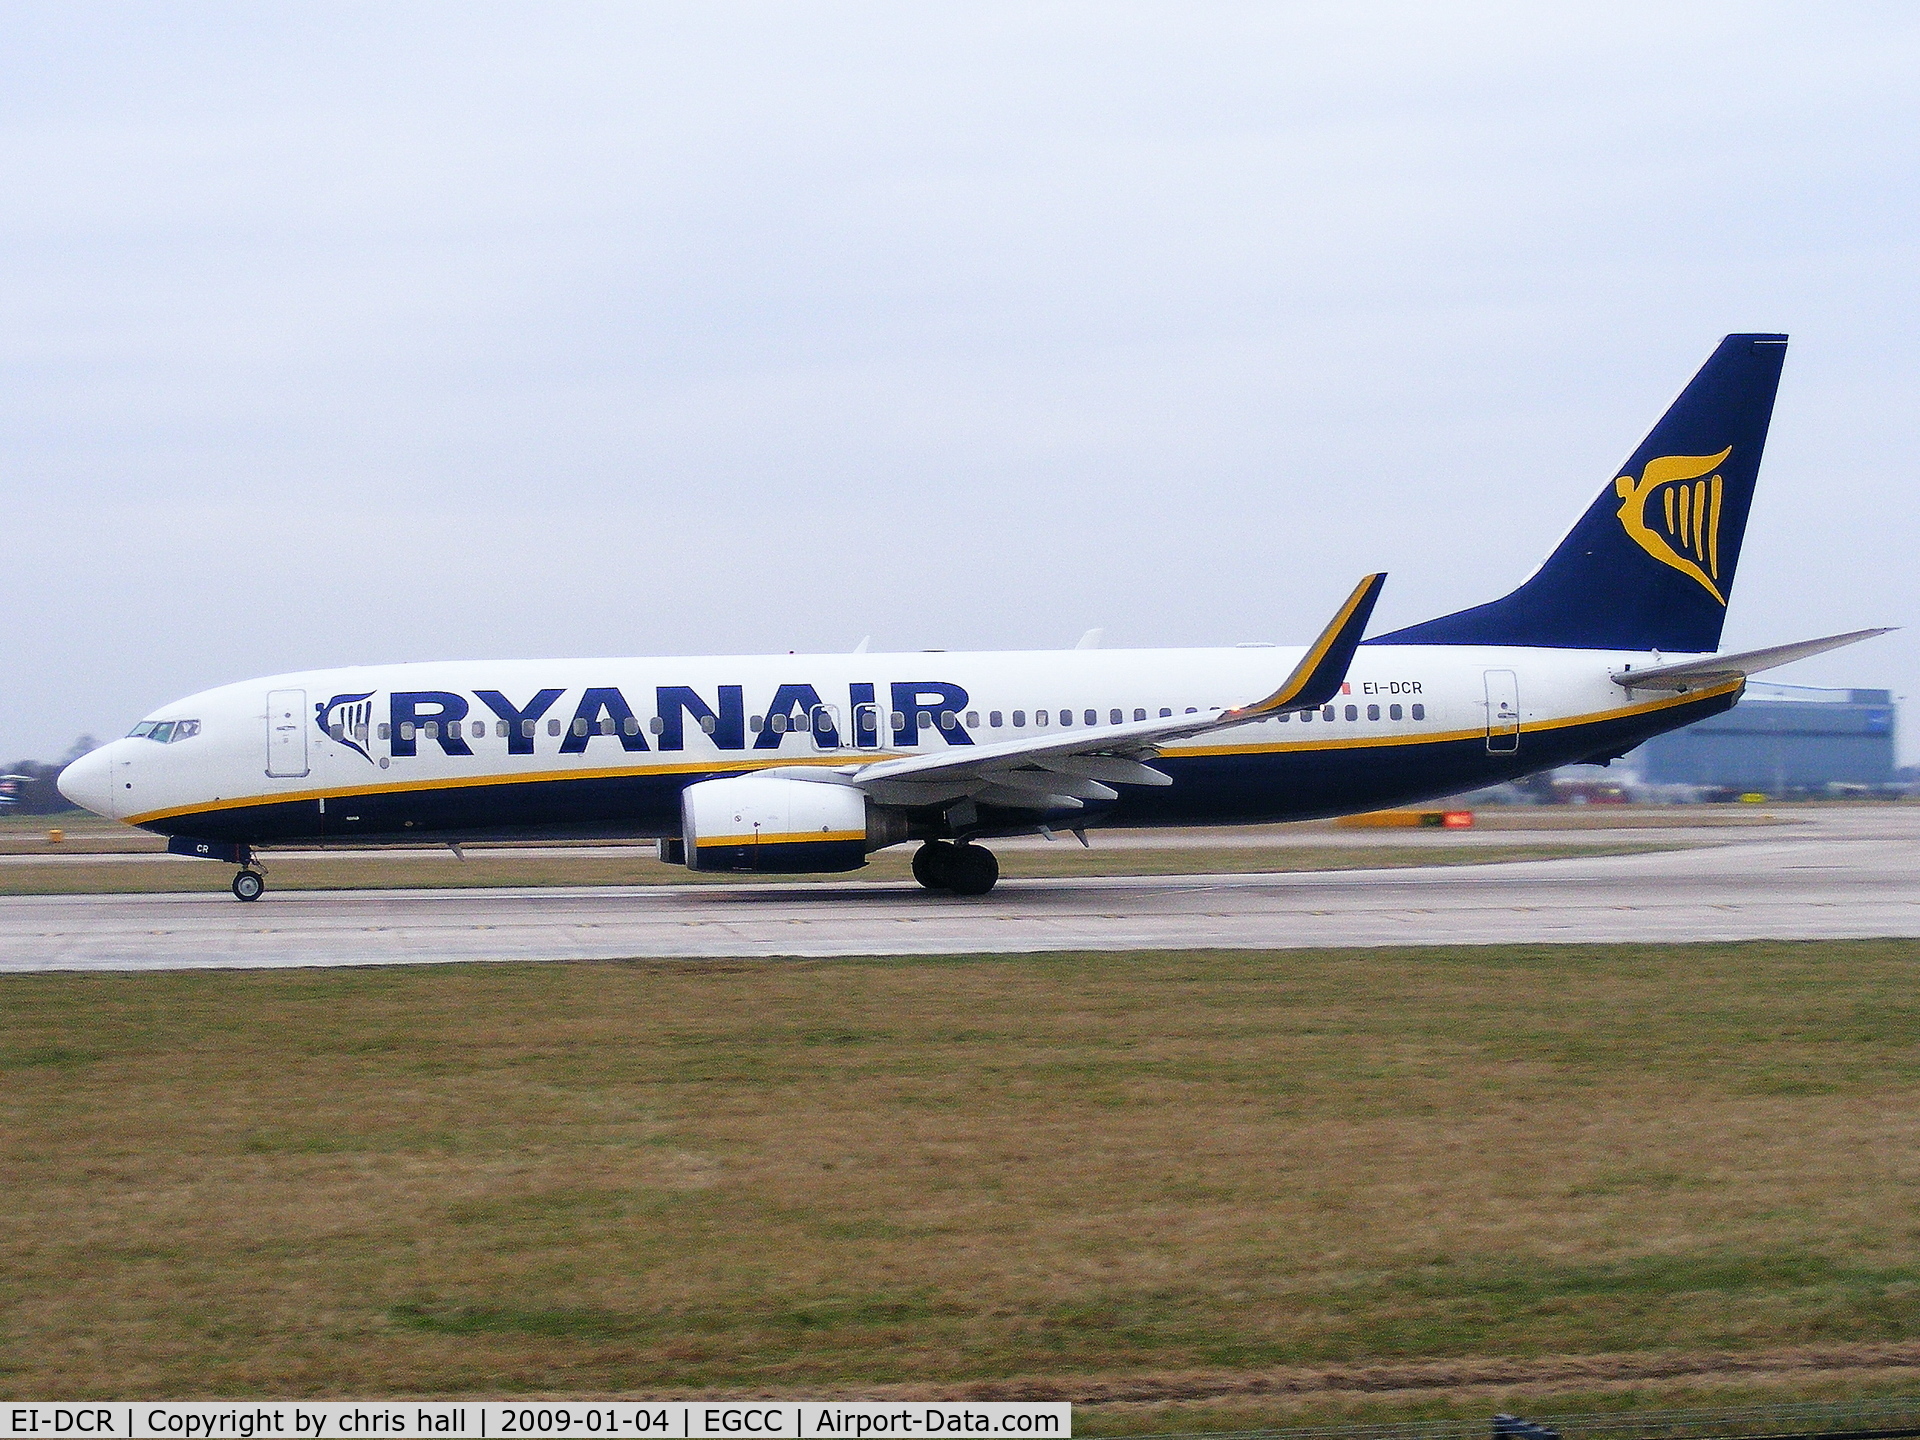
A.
pixel 1323 669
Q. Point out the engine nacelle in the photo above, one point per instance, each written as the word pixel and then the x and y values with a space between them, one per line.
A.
pixel 763 823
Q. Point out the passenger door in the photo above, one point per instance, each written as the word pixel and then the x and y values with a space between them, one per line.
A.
pixel 1503 712
pixel 287 733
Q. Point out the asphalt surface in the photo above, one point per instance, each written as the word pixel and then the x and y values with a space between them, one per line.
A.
pixel 1845 873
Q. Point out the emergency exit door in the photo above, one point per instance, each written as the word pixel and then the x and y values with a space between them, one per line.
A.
pixel 1503 712
pixel 287 733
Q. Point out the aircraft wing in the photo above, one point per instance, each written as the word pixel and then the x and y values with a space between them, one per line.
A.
pixel 1062 770
pixel 1714 669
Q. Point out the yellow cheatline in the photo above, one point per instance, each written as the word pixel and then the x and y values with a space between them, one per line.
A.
pixel 1374 742
pixel 465 782
pixel 798 837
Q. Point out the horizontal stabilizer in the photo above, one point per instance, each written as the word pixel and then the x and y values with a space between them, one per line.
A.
pixel 1715 669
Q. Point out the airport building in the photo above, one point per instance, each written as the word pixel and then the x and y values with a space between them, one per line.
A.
pixel 1780 739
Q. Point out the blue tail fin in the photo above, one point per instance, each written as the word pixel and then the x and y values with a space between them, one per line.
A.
pixel 1650 565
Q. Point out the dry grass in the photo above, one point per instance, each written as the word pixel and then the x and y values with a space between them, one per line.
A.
pixel 441 870
pixel 1056 1170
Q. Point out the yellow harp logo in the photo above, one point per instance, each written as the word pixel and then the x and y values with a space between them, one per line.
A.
pixel 1686 532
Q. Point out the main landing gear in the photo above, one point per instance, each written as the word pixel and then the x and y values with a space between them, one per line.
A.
pixel 964 869
pixel 249 885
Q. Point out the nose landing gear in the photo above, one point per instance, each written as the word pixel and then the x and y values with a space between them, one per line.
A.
pixel 965 869
pixel 249 885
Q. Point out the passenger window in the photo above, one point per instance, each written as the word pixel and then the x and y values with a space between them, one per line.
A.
pixel 1419 712
pixel 527 728
pixel 386 730
pixel 1139 714
pixel 1165 713
pixel 1114 716
pixel 479 729
pixel 1092 717
pixel 708 724
pixel 1192 711
pixel 1353 712
pixel 1066 717
pixel 337 730
pixel 898 719
pixel 606 725
pixel 579 726
pixel 754 723
pixel 947 719
pixel 1020 720
pixel 1040 718
pixel 1307 715
pixel 1284 716
pixel 630 725
pixel 779 724
pixel 406 730
pixel 1327 713
pixel 431 729
pixel 499 729
pixel 993 718
pixel 553 727
pixel 1394 712
pixel 925 719
pixel 656 725
pixel 1373 712
pixel 973 719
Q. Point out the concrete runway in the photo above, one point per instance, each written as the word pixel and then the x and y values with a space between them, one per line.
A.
pixel 1847 873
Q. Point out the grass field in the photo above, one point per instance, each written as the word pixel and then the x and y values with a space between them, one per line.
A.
pixel 441 870
pixel 1151 1175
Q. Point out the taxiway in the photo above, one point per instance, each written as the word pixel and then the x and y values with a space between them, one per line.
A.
pixel 1844 873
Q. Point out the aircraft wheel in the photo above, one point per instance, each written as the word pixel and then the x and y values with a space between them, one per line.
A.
pixel 971 870
pixel 249 885
pixel 931 863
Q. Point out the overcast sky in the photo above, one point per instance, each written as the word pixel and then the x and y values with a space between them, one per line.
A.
pixel 345 333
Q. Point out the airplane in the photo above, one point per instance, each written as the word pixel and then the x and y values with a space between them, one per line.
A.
pixel 794 764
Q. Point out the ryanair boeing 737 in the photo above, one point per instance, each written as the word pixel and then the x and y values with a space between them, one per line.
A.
pixel 798 763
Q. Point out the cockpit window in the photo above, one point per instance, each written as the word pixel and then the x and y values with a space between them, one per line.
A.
pixel 165 732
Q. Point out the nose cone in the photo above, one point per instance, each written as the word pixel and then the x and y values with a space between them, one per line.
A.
pixel 88 782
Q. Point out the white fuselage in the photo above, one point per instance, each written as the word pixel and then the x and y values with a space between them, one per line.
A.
pixel 473 749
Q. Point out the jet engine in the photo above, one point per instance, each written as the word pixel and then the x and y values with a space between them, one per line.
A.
pixel 756 822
